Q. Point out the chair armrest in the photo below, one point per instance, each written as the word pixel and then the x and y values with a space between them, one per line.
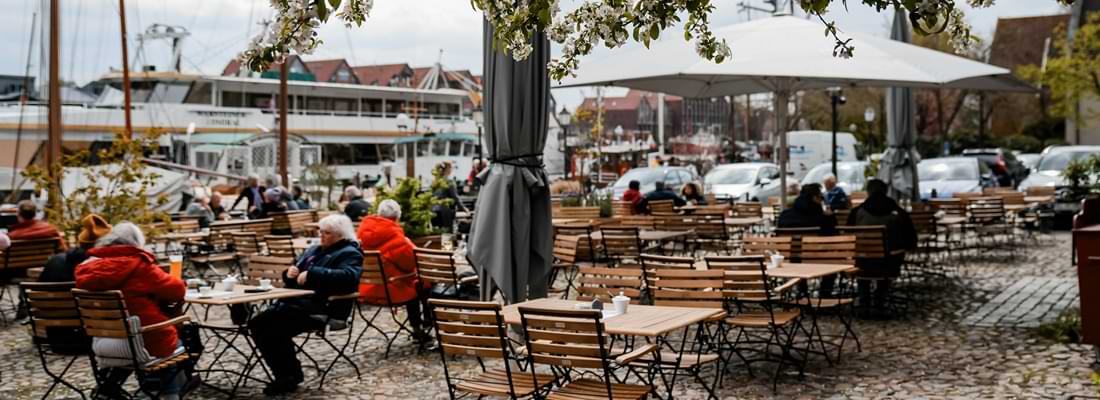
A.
pixel 786 286
pixel 164 324
pixel 634 355
pixel 346 296
pixel 400 277
pixel 468 279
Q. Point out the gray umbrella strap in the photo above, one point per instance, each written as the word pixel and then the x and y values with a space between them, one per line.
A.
pixel 530 165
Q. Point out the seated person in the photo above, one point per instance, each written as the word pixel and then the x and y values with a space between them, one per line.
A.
pixel 357 207
pixel 273 203
pixel 29 227
pixel 633 193
pixel 807 212
pixel 835 197
pixel 120 262
pixel 201 208
pixel 691 194
pixel 299 198
pixel 660 192
pixel 880 209
pixel 383 233
pixel 287 199
pixel 330 268
pixel 60 267
pixel 217 208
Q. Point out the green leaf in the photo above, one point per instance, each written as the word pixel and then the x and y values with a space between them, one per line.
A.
pixel 334 4
pixel 322 12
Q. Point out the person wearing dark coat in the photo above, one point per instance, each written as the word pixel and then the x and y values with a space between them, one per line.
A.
pixel 60 267
pixel 357 207
pixel 660 192
pixel 807 212
pixel 252 192
pixel 330 268
pixel 880 209
pixel 273 204
pixel 690 192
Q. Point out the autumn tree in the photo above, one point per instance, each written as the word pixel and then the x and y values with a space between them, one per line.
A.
pixel 1073 74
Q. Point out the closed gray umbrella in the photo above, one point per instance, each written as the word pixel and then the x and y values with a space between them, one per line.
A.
pixel 899 163
pixel 511 237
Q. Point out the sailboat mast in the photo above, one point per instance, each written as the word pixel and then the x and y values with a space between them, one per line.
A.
pixel 53 143
pixel 125 70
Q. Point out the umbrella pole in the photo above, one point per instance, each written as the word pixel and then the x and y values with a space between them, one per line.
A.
pixel 782 93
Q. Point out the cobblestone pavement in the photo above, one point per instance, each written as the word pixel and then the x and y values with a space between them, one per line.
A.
pixel 933 352
pixel 1028 303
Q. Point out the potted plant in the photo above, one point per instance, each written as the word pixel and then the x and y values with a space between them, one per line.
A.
pixel 416 209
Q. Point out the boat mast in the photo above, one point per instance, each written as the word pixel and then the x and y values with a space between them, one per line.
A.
pixel 125 70
pixel 53 145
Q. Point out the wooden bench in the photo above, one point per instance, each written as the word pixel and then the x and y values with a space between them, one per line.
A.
pixel 291 223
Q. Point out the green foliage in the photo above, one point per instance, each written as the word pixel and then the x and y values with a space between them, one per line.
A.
pixel 319 176
pixel 1046 129
pixel 116 189
pixel 1026 144
pixel 1065 329
pixel 416 206
pixel 1072 74
pixel 1082 175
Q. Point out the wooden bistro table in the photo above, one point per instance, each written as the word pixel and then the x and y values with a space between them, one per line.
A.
pixel 656 322
pixel 229 334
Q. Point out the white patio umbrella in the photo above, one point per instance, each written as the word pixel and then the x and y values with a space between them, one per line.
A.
pixel 783 55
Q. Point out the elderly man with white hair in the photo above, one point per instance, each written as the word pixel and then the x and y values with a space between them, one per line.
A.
pixel 835 197
pixel 383 233
pixel 328 269
pixel 357 207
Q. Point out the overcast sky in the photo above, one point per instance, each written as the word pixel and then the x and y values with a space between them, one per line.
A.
pixel 412 31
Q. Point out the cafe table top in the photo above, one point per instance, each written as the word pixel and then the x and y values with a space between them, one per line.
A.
pixel 744 220
pixel 240 297
pixel 648 321
pixel 792 270
pixel 951 220
pixel 650 235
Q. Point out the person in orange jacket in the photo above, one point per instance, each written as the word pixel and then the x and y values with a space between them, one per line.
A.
pixel 381 232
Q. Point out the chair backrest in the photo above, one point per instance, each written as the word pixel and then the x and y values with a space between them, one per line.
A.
pixel 268 267
pixel 828 249
pixel 280 245
pixel 221 232
pixel 986 209
pixel 950 207
pixel 1013 198
pixel 33 253
pixel 51 305
pixel 842 216
pixel 744 276
pixel 1040 191
pixel 796 235
pixel 870 240
pixel 607 282
pixel 662 207
pixel 711 226
pixel 688 288
pixel 675 222
pixel 261 227
pixel 651 263
pixel 644 222
pixel 585 213
pixel 471 328
pixel 857 198
pixel 966 196
pixel 621 208
pixel 436 266
pixel 621 243
pixel 245 243
pixel 748 210
pixel 568 339
pixel 291 222
pixel 573 242
pixel 185 224
pixel 723 209
pixel 760 245
pixel 374 273
pixel 924 221
pixel 103 314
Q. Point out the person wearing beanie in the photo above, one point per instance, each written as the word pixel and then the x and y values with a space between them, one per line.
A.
pixel 273 202
pixel 60 267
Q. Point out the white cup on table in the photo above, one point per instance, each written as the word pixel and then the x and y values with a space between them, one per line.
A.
pixel 265 284
pixel 204 291
pixel 621 302
pixel 777 260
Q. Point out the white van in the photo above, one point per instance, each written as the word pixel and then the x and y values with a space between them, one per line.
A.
pixel 811 148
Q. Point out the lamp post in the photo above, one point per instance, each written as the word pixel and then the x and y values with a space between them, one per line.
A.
pixel 479 118
pixel 564 120
pixel 619 132
pixel 869 117
pixel 837 98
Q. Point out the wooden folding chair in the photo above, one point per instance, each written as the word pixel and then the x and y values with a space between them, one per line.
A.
pixel 103 314
pixel 760 245
pixel 374 274
pixel 23 255
pixel 55 328
pixel 267 267
pixel 651 263
pixel 621 208
pixel 606 283
pixel 468 328
pixel 280 246
pixel 573 340
pixel 796 235
pixel 620 244
pixel 245 244
pixel 662 207
pixel 438 267
pixel 837 250
pixel 572 243
pixel 692 288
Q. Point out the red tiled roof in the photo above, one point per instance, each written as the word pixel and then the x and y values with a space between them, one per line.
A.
pixel 323 70
pixel 234 67
pixel 1021 41
pixel 380 75
pixel 418 75
pixel 631 101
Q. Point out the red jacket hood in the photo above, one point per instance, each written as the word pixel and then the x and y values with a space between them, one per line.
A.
pixel 113 265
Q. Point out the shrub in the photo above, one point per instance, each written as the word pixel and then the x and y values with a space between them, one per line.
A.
pixel 1065 329
pixel 1026 144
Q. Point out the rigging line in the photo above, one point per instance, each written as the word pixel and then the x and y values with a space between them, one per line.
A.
pixel 22 106
pixel 351 48
pixel 73 43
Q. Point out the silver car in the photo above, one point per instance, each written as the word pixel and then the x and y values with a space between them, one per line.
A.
pixel 754 181
pixel 673 177
pixel 851 175
pixel 1048 170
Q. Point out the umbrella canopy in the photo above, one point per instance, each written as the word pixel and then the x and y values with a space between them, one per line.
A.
pixel 785 54
pixel 899 163
pixel 511 236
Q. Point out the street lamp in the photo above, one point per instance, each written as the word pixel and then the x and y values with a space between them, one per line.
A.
pixel 836 94
pixel 619 132
pixel 564 120
pixel 869 116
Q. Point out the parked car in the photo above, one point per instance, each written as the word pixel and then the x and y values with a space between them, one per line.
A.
pixel 1008 170
pixel 1048 173
pixel 674 177
pixel 754 181
pixel 851 175
pixel 1030 160
pixel 949 175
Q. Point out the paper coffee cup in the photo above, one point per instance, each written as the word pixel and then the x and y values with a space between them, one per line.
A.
pixel 777 260
pixel 265 283
pixel 621 302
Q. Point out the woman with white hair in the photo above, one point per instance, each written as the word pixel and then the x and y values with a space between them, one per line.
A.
pixel 382 232
pixel 120 262
pixel 328 269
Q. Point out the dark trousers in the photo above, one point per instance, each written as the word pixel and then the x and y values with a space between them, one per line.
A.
pixel 413 308
pixel 273 330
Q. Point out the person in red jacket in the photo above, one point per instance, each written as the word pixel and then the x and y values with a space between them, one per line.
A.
pixel 633 193
pixel 28 227
pixel 120 262
pixel 382 233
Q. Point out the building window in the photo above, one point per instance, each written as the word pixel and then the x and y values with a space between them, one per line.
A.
pixel 342 75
